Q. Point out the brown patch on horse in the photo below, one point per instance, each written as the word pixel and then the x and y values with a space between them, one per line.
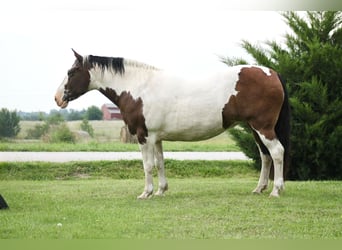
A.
pixel 230 113
pixel 131 110
pixel 258 101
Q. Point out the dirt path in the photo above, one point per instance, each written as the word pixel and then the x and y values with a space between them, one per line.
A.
pixel 113 156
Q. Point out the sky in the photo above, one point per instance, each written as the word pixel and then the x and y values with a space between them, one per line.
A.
pixel 36 38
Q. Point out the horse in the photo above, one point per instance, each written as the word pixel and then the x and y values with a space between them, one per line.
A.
pixel 157 105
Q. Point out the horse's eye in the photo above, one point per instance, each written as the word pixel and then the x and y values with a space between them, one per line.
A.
pixel 71 72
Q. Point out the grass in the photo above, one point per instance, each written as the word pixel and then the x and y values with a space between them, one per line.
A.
pixel 121 170
pixel 107 139
pixel 93 146
pixel 206 200
pixel 38 146
pixel 195 208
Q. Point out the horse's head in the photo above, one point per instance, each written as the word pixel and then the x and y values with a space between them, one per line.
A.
pixel 75 84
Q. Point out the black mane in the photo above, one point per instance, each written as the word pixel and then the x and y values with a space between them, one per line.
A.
pixel 112 63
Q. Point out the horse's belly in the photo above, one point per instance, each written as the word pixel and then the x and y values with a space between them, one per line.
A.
pixel 189 126
pixel 191 135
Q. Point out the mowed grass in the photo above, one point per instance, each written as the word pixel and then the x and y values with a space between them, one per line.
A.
pixel 107 139
pixel 90 202
pixel 195 208
pixel 206 199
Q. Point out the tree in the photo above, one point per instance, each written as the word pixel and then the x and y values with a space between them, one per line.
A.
pixel 9 123
pixel 311 62
pixel 93 113
pixel 86 126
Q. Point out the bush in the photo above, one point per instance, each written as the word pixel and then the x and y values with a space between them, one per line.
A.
pixel 9 123
pixel 38 131
pixel 316 130
pixel 53 130
pixel 60 133
pixel 85 126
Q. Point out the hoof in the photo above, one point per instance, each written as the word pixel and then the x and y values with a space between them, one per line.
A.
pixel 161 191
pixel 275 194
pixel 259 190
pixel 145 195
pixel 256 192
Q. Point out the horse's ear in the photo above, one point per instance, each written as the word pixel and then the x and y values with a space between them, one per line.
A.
pixel 78 56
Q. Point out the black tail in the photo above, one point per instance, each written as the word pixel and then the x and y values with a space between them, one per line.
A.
pixel 3 204
pixel 282 127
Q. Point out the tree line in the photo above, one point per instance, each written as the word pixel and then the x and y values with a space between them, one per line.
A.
pixel 91 113
pixel 10 120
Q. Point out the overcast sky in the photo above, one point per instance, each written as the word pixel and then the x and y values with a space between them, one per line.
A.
pixel 36 38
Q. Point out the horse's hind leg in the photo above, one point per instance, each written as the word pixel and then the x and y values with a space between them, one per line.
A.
pixel 276 150
pixel 266 162
pixel 159 163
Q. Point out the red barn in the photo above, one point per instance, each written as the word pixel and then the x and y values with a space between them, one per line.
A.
pixel 111 112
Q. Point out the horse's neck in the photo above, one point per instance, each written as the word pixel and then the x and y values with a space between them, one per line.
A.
pixel 131 80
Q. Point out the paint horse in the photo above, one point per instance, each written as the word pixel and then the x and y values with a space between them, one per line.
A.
pixel 157 106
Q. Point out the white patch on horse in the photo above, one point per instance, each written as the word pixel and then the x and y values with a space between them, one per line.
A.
pixel 60 93
pixel 266 162
pixel 266 70
pixel 276 150
pixel 187 109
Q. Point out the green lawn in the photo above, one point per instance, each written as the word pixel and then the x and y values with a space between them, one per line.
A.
pixel 213 145
pixel 104 205
pixel 195 208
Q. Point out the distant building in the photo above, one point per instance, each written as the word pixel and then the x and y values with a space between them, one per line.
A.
pixel 111 112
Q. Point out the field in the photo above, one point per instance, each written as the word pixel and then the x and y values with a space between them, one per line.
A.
pixel 206 200
pixel 212 208
pixel 107 138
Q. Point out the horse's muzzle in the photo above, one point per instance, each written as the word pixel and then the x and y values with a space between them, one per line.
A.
pixel 61 102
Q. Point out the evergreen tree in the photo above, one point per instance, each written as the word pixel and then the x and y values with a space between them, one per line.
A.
pixel 311 63
pixel 9 123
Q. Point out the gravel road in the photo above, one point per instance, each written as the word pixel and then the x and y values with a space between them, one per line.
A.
pixel 113 156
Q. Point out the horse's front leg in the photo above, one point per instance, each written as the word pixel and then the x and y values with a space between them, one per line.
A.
pixel 147 151
pixel 159 162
